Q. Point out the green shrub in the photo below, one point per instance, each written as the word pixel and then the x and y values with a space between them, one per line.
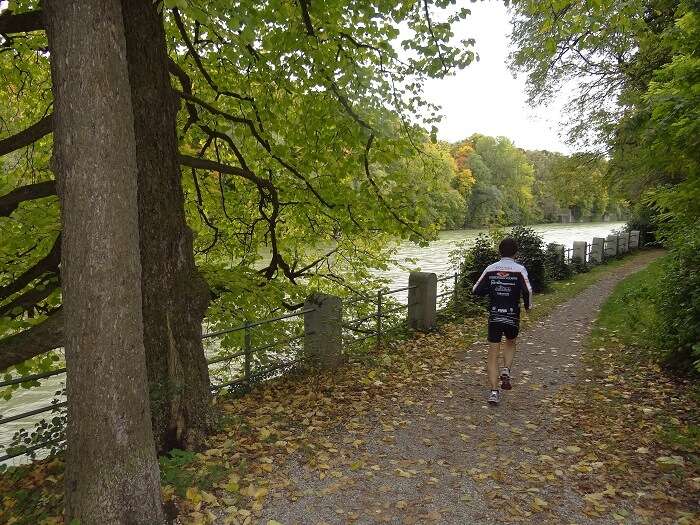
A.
pixel 679 300
pixel 642 220
pixel 577 265
pixel 475 260
pixel 471 260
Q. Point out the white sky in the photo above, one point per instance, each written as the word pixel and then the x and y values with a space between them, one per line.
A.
pixel 484 97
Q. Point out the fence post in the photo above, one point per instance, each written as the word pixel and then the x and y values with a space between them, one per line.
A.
pixel 611 245
pixel 422 301
pixel 634 240
pixel 323 336
pixel 597 247
pixel 624 242
pixel 379 318
pixel 247 347
pixel 558 249
pixel 579 252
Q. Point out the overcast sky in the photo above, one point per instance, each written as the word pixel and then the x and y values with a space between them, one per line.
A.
pixel 484 97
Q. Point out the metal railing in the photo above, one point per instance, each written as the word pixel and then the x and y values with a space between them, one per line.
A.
pixel 383 311
pixel 249 376
pixel 373 325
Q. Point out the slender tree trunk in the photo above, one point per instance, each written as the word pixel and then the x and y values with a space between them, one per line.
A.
pixel 111 466
pixel 174 295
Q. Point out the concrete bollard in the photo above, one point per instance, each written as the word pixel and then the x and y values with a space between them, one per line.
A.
pixel 422 301
pixel 323 339
pixel 578 254
pixel 558 249
pixel 624 242
pixel 611 243
pixel 597 250
pixel 634 240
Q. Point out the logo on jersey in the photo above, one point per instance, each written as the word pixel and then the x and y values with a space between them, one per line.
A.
pixel 502 274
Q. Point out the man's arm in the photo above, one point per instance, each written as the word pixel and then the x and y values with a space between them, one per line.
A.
pixel 526 289
pixel 482 285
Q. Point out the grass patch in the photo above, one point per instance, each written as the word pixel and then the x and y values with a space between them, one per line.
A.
pixel 561 291
pixel 625 344
pixel 630 315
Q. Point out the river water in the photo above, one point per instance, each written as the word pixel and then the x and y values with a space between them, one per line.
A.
pixel 433 258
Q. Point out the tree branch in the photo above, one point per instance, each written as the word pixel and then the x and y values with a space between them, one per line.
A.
pixel 346 104
pixel 21 22
pixel 300 272
pixel 28 300
pixel 264 143
pixel 198 60
pixel 47 264
pixel 396 216
pixel 435 40
pixel 304 4
pixel 38 339
pixel 27 136
pixel 210 165
pixel 186 84
pixel 10 201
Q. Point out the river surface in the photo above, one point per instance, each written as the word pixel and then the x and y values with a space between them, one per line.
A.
pixel 433 258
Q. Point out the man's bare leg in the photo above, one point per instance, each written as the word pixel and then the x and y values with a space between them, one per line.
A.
pixel 492 364
pixel 509 351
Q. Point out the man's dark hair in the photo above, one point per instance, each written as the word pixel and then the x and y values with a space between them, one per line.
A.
pixel 508 247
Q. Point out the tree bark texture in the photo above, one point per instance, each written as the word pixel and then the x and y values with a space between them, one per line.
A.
pixel 111 466
pixel 174 295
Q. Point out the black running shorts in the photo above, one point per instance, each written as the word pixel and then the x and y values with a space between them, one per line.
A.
pixel 498 330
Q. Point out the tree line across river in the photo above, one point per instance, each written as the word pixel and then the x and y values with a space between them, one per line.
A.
pixel 488 181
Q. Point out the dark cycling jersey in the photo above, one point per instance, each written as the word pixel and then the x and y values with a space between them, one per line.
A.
pixel 504 282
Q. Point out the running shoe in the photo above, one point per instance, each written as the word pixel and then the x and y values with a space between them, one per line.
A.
pixel 494 397
pixel 505 379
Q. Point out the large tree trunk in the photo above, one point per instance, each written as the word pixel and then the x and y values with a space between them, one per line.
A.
pixel 174 295
pixel 111 465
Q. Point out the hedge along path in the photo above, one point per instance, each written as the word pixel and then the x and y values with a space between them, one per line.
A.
pixel 422 451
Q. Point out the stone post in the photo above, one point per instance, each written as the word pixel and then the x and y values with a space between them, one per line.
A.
pixel 579 252
pixel 323 339
pixel 634 240
pixel 558 249
pixel 611 245
pixel 597 247
pixel 624 242
pixel 422 301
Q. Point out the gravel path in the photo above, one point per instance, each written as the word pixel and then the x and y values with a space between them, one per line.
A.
pixel 450 458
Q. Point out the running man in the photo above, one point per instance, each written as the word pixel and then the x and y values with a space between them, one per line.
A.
pixel 504 282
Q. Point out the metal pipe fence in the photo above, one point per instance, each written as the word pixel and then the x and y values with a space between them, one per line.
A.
pixel 248 378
